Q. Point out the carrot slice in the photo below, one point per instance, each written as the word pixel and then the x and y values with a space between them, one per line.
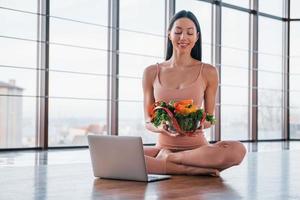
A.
pixel 186 101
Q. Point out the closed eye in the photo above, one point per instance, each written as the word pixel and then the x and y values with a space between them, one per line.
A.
pixel 178 33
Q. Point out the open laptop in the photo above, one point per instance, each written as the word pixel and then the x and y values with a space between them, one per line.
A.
pixel 120 157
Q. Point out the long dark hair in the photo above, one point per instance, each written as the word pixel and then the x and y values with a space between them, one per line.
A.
pixel 196 52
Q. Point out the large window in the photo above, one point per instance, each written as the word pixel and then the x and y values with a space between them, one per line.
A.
pixel 141 44
pixel 270 79
pixel 234 74
pixel 78 71
pixel 18 74
pixel 80 55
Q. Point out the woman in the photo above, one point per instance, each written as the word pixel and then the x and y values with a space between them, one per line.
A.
pixel 183 76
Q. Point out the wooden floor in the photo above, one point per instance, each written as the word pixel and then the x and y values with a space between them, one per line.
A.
pixel 269 171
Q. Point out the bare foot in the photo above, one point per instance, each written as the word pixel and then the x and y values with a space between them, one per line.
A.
pixel 216 173
pixel 163 154
pixel 190 170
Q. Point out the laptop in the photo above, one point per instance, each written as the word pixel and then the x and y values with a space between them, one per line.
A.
pixel 120 157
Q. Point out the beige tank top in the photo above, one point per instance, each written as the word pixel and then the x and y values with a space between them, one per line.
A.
pixel 193 91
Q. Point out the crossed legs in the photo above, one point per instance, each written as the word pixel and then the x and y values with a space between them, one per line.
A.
pixel 207 159
pixel 220 156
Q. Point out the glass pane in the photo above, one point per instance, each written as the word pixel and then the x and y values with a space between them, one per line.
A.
pixel 134 123
pixel 71 120
pixel 92 11
pixel 294 73
pixel 138 15
pixel 295 82
pixel 295 47
pixel 18 24
pixel 274 8
pixel 17 113
pixel 270 58
pixel 25 51
pixel 130 89
pixel 84 35
pixel 135 69
pixel 270 63
pixel 231 19
pixel 142 20
pixel 295 9
pixel 77 85
pixel 78 59
pixel 269 80
pixel 269 97
pixel 294 99
pixel 234 57
pixel 17 121
pixel 295 64
pixel 295 40
pixel 202 11
pixel 243 3
pixel 24 5
pixel 234 46
pixel 270 35
pixel 17 81
pixel 234 119
pixel 269 123
pixel 270 45
pixel 295 123
pixel 234 95
pixel 234 76
pixel 206 53
pixel 234 122
pixel 142 44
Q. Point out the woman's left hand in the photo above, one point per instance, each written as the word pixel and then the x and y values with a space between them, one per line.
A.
pixel 205 125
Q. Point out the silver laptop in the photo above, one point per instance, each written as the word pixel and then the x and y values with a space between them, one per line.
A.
pixel 120 157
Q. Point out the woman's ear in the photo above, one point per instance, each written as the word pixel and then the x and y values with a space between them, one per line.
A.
pixel 198 35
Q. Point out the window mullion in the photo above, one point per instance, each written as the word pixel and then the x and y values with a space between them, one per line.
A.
pixel 113 68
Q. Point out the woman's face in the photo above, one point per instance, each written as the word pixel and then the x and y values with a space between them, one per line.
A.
pixel 183 35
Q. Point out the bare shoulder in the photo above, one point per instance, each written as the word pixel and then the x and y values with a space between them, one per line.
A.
pixel 209 69
pixel 150 72
pixel 210 73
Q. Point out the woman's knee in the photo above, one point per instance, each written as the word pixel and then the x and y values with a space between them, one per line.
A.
pixel 234 152
pixel 238 152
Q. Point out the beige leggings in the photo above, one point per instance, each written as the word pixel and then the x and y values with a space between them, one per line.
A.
pixel 219 156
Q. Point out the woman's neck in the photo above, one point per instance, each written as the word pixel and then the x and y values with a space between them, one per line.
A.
pixel 181 60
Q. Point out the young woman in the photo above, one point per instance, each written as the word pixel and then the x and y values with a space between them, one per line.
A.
pixel 184 76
